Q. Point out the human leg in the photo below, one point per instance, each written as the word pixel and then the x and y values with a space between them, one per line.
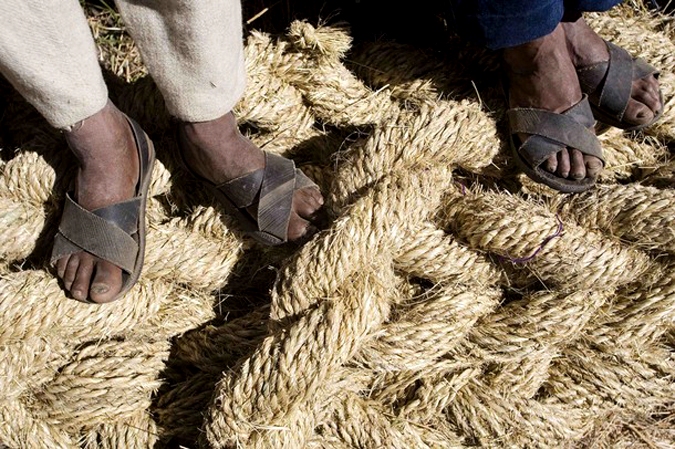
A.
pixel 55 67
pixel 194 52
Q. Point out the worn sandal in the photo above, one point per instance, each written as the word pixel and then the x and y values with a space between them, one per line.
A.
pixel 271 188
pixel 549 132
pixel 609 85
pixel 114 233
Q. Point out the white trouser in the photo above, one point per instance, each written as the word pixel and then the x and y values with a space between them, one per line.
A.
pixel 193 49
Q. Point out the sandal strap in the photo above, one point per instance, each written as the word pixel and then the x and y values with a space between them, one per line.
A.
pixel 620 78
pixel 82 230
pixel 275 203
pixel 568 129
pixel 272 187
pixel 610 83
pixel 243 191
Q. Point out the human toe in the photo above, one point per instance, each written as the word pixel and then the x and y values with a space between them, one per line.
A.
pixel 551 164
pixel 593 166
pixel 107 282
pixel 79 288
pixel 637 112
pixel 61 266
pixel 307 201
pixel 577 165
pixel 563 163
pixel 71 270
pixel 299 228
pixel 649 93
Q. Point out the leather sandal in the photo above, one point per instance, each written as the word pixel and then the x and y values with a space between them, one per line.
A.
pixel 609 85
pixel 269 189
pixel 549 133
pixel 114 233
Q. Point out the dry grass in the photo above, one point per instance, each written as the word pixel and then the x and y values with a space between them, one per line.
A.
pixel 117 52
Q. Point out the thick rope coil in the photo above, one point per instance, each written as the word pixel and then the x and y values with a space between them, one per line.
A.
pixel 575 258
pixel 20 429
pixel 603 381
pixel 625 155
pixel 36 305
pixel 536 324
pixel 642 215
pixel 180 248
pixel 161 179
pixel 429 329
pixel 286 118
pixel 320 42
pixel 335 95
pixel 373 225
pixel 521 337
pixel 180 410
pixel 213 348
pixel 496 421
pixel 639 316
pixel 287 369
pixel 442 134
pixel 20 226
pixel 379 64
pixel 359 422
pixel 430 253
pixel 27 365
pixel 86 392
pixel 28 178
pixel 137 431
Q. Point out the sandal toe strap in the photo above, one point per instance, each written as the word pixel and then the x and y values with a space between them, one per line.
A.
pixel 106 233
pixel 616 89
pixel 272 187
pixel 549 131
pixel 610 83
pixel 276 196
pixel 243 191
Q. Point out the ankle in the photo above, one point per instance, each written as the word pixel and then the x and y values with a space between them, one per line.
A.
pixel 100 137
pixel 205 135
pixel 584 45
pixel 216 150
pixel 530 57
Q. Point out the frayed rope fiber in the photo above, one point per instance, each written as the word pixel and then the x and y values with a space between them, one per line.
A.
pixel 450 303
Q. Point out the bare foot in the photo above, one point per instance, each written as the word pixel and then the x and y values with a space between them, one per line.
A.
pixel 587 48
pixel 217 151
pixel 541 75
pixel 108 173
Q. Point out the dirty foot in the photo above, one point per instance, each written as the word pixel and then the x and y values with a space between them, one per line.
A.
pixel 218 152
pixel 587 48
pixel 541 75
pixel 108 173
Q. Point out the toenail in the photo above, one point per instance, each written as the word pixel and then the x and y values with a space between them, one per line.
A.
pixel 77 294
pixel 99 289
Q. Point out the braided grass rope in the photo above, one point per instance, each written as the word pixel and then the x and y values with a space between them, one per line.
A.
pixel 449 303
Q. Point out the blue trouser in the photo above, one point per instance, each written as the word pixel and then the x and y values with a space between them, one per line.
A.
pixel 507 23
